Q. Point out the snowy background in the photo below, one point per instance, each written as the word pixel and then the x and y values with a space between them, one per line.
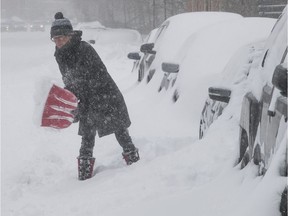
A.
pixel 177 174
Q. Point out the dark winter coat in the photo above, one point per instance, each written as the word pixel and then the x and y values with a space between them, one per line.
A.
pixel 102 106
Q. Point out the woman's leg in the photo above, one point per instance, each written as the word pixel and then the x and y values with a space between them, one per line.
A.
pixel 130 152
pixel 87 145
pixel 86 160
pixel 124 140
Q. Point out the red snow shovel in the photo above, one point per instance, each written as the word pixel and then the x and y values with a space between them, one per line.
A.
pixel 58 107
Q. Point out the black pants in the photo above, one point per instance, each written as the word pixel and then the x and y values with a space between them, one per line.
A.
pixel 122 136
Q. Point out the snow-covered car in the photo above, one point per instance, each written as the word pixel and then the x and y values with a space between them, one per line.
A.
pixel 235 72
pixel 200 63
pixel 95 32
pixel 255 142
pixel 263 120
pixel 90 25
pixel 263 123
pixel 261 138
pixel 167 41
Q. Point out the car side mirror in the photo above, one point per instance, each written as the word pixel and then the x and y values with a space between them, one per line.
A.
pixel 91 41
pixel 134 56
pixel 219 94
pixel 148 48
pixel 170 67
pixel 279 79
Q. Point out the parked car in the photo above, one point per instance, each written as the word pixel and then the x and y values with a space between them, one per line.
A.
pixel 261 137
pixel 206 54
pixel 263 120
pixel 37 26
pixel 235 72
pixel 95 33
pixel 167 40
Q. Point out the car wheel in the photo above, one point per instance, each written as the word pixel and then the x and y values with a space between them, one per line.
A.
pixel 283 203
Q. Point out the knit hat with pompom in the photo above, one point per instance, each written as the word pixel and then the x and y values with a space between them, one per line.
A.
pixel 60 26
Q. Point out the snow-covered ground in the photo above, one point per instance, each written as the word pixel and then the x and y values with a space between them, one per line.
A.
pixel 177 174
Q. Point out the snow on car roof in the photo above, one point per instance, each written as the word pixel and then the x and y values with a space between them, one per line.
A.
pixel 90 25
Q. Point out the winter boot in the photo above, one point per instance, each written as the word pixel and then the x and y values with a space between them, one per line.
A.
pixel 85 167
pixel 131 156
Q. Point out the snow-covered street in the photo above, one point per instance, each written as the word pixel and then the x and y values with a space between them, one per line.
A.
pixel 177 174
